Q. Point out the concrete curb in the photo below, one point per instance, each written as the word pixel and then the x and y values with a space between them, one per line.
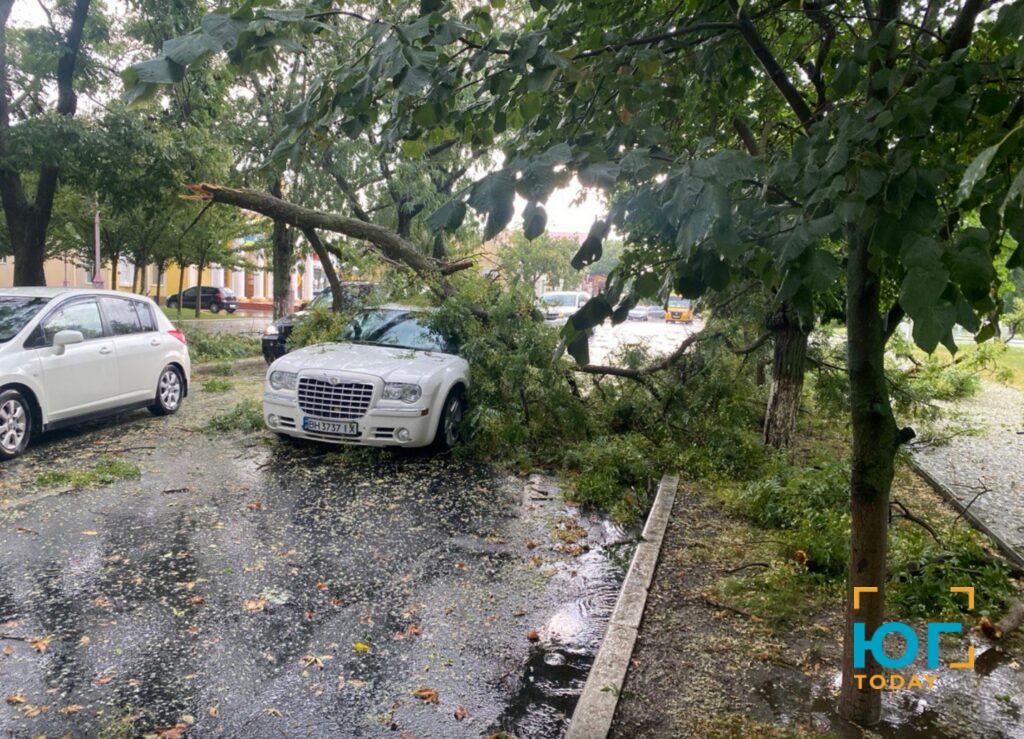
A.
pixel 595 710
pixel 1007 551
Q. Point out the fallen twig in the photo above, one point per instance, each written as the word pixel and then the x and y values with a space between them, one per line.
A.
pixel 904 512
pixel 734 570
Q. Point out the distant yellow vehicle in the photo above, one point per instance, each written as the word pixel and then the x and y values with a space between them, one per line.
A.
pixel 680 310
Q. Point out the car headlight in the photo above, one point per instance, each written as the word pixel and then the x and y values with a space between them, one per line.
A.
pixel 270 330
pixel 283 380
pixel 404 391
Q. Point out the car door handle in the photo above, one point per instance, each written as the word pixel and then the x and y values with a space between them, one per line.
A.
pixel 155 342
pixel 105 350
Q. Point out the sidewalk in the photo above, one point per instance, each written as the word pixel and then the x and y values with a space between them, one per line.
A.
pixel 985 472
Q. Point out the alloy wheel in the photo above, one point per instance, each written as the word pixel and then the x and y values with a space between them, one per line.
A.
pixel 13 425
pixel 170 389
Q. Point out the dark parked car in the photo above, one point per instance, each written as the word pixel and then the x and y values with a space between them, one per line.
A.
pixel 275 337
pixel 214 299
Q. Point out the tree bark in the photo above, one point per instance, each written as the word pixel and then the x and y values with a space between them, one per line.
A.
pixel 28 221
pixel 181 287
pixel 200 266
pixel 875 441
pixel 337 297
pixel 283 257
pixel 789 340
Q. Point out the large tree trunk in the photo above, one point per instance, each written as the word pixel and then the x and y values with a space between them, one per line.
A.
pixel 789 340
pixel 29 249
pixel 27 221
pixel 283 259
pixel 199 289
pixel 875 441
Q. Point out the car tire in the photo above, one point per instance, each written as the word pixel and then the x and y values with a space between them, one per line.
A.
pixel 170 390
pixel 215 307
pixel 172 302
pixel 448 432
pixel 15 424
pixel 232 310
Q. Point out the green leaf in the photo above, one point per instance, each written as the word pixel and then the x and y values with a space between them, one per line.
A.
pixel 599 174
pixel 934 325
pixel 1016 259
pixel 974 172
pixel 922 287
pixel 429 6
pixel 648 284
pixel 821 271
pixel 1016 188
pixel 579 347
pixel 414 149
pixel 223 28
pixel 593 313
pixel 427 115
pixel 590 251
pixel 846 78
pixel 494 195
pixel 448 217
pixel 535 219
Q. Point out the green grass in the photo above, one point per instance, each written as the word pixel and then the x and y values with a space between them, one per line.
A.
pixel 189 314
pixel 104 472
pixel 1012 362
pixel 218 385
pixel 246 417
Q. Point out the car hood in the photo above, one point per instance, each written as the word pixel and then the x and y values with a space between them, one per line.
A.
pixel 390 364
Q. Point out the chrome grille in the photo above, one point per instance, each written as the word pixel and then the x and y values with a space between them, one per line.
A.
pixel 341 402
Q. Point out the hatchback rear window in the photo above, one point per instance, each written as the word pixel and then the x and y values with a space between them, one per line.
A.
pixel 16 312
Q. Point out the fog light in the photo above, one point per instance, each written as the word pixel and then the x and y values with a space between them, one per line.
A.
pixel 272 420
pixel 403 435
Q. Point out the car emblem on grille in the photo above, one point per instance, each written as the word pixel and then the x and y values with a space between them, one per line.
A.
pixel 332 380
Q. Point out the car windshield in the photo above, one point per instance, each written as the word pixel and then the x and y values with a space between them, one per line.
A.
pixel 323 300
pixel 560 300
pixel 398 328
pixel 678 303
pixel 15 312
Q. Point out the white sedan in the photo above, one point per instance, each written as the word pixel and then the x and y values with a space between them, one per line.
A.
pixel 391 381
pixel 67 355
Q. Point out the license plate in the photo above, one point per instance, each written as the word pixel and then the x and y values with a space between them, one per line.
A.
pixel 344 428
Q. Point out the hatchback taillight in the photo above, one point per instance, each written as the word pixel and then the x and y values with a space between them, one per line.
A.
pixel 178 335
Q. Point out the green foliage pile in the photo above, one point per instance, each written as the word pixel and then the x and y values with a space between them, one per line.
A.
pixel 108 470
pixel 613 437
pixel 206 347
pixel 320 325
pixel 218 385
pixel 246 417
pixel 805 507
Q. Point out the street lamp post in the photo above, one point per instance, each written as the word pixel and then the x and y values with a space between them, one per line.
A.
pixel 97 277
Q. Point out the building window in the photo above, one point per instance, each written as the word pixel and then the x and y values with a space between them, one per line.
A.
pixel 125 272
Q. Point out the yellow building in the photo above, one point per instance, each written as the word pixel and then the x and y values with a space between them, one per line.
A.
pixel 254 286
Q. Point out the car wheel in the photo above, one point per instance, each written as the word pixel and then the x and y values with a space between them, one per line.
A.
pixel 171 302
pixel 15 424
pixel 215 307
pixel 170 389
pixel 448 426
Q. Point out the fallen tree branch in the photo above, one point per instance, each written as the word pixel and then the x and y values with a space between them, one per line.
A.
pixel 385 241
pixel 897 506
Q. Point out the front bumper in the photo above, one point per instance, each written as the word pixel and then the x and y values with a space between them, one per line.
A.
pixel 379 427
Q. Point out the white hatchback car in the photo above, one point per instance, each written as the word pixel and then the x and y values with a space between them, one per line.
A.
pixel 68 355
pixel 390 381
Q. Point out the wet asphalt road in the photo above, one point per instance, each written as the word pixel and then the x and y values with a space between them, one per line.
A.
pixel 244 586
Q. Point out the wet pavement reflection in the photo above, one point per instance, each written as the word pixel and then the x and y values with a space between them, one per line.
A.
pixel 264 589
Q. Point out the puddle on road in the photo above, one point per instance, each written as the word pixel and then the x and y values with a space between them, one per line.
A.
pixel 557 667
pixel 983 702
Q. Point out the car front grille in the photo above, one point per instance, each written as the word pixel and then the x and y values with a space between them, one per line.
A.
pixel 341 402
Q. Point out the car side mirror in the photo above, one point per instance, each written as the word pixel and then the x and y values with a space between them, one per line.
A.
pixel 65 338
